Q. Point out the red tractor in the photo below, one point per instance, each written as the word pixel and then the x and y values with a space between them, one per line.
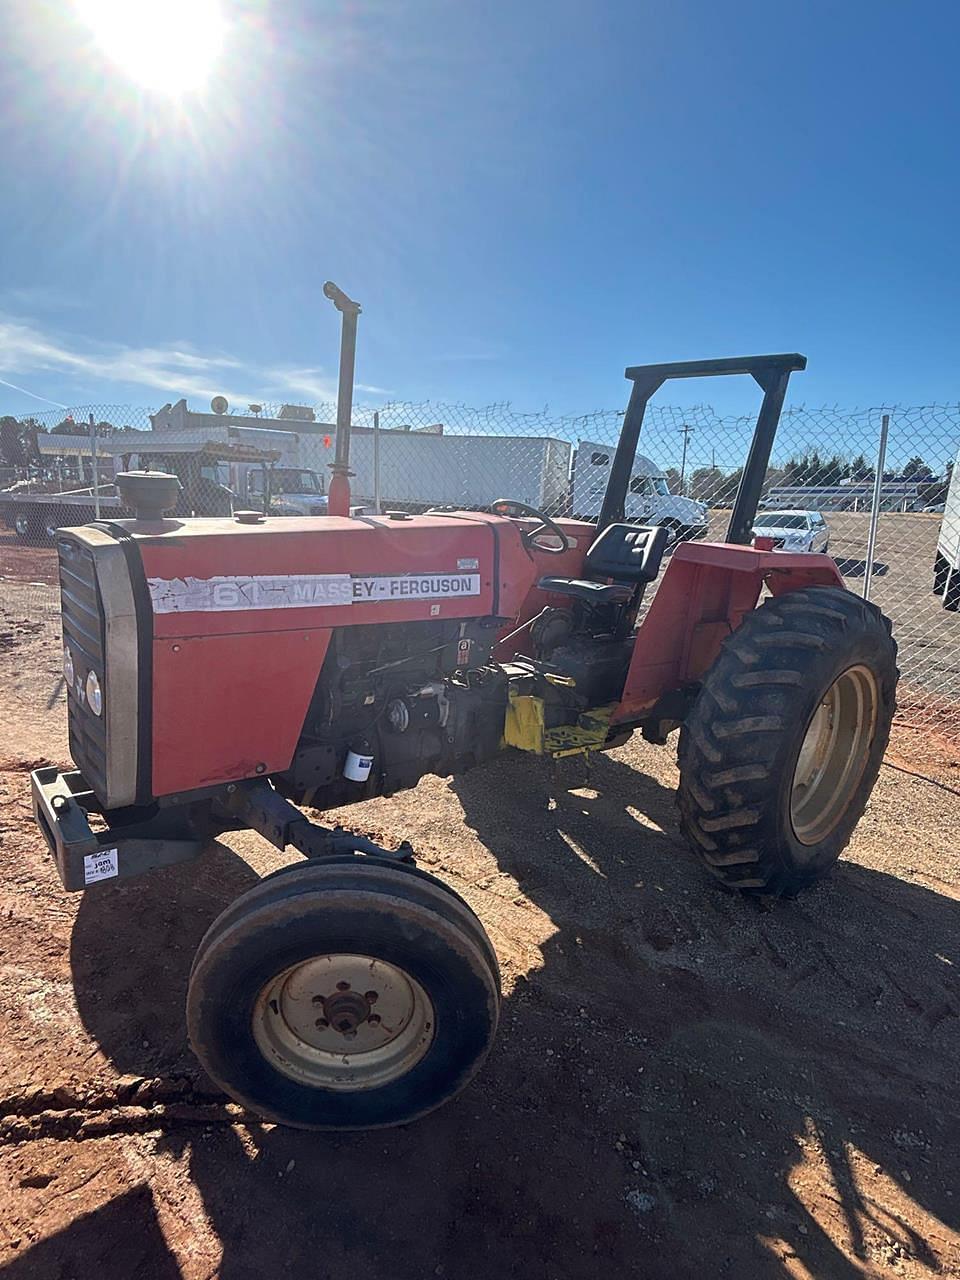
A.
pixel 354 990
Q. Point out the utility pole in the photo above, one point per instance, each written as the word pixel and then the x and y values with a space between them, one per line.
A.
pixel 685 432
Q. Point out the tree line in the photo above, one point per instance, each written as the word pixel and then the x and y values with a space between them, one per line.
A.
pixel 18 437
pixel 710 484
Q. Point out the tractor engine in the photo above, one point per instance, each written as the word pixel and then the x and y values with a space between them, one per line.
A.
pixel 394 702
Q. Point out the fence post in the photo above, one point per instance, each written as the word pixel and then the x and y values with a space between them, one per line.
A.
pixel 875 509
pixel 93 466
pixel 376 463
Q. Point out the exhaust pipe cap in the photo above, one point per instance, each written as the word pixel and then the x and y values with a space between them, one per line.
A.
pixel 148 493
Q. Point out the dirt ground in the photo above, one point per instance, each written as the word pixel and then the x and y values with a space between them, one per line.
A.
pixel 901 584
pixel 685 1084
pixel 21 562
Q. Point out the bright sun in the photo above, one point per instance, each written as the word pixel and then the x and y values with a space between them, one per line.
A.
pixel 166 46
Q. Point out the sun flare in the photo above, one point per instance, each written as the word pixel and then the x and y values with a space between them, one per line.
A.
pixel 165 46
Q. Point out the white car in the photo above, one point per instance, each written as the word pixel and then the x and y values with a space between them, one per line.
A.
pixel 793 530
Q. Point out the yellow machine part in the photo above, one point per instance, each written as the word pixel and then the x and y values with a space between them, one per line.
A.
pixel 524 728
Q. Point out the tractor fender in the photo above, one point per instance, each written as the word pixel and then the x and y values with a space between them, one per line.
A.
pixel 703 596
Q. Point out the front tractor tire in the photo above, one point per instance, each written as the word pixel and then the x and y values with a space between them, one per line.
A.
pixel 352 993
pixel 784 743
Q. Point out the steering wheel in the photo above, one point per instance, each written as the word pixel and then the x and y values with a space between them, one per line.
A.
pixel 517 510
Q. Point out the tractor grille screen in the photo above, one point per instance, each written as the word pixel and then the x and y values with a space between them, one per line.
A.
pixel 83 632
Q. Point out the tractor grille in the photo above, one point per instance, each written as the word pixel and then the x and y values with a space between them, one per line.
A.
pixel 83 631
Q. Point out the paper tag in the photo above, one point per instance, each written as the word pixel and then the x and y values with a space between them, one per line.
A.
pixel 100 866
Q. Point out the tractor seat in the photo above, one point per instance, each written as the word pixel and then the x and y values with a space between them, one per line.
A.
pixel 630 554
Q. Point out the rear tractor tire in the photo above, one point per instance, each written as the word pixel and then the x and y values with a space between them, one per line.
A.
pixel 352 993
pixel 784 743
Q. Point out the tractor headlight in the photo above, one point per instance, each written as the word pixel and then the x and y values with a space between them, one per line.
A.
pixel 94 693
pixel 69 672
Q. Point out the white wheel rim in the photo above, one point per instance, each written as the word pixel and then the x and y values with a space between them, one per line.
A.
pixel 343 1022
pixel 833 754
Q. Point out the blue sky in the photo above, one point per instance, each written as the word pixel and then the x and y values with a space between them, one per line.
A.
pixel 525 197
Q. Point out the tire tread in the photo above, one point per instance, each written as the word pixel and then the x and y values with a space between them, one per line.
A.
pixel 750 702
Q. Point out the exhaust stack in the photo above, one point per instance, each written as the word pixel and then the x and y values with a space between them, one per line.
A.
pixel 338 500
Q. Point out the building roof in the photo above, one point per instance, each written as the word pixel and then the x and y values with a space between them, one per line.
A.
pixel 58 446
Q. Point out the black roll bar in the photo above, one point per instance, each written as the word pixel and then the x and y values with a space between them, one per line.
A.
pixel 772 373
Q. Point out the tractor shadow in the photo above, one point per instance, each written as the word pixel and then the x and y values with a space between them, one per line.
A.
pixel 688 1084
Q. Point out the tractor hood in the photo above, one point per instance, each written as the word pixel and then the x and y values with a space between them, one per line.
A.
pixel 221 576
pixel 193 646
pixel 231 575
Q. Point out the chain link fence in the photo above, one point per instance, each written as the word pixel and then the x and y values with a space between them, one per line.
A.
pixel 819 492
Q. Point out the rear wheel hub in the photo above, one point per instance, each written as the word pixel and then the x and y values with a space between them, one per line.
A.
pixel 833 755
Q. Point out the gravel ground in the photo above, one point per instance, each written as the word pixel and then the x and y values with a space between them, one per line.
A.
pixel 685 1084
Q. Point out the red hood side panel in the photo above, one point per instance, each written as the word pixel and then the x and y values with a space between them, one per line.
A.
pixel 242 617
pixel 230 707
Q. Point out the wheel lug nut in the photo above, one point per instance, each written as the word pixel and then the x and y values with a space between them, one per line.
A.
pixel 322 1022
pixel 343 986
pixel 374 1017
pixel 370 996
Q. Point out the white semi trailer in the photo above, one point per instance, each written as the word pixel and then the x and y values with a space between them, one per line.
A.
pixel 418 470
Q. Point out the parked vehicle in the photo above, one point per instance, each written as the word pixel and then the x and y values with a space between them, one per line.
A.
pixel 235 470
pixel 212 478
pixel 288 490
pixel 946 563
pixel 274 468
pixel 793 530
pixel 648 500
